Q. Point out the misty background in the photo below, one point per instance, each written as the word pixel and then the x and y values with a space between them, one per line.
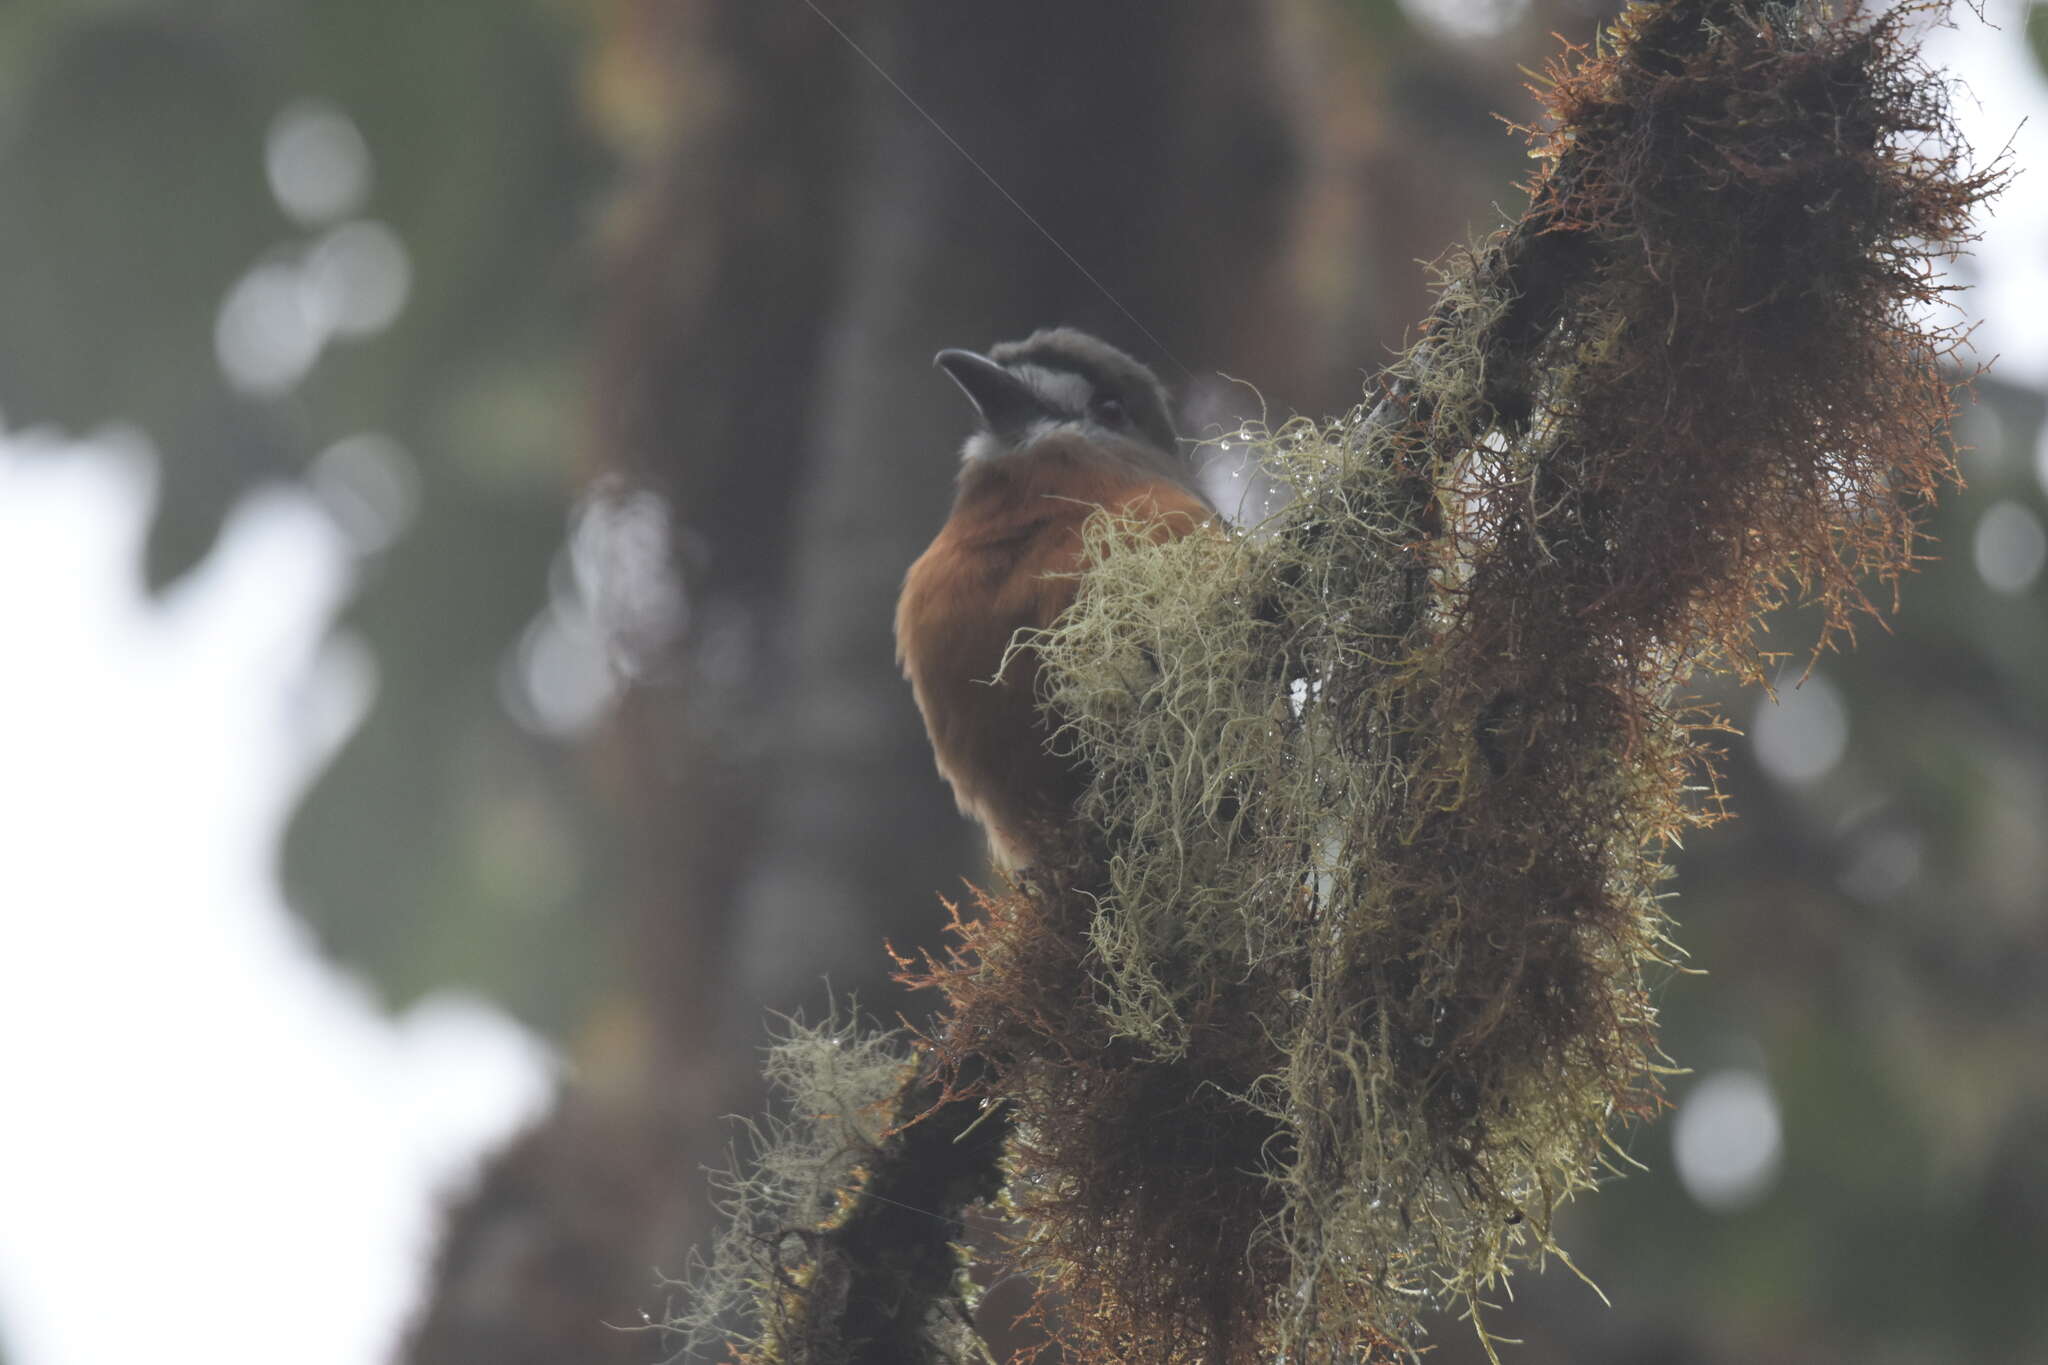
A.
pixel 456 463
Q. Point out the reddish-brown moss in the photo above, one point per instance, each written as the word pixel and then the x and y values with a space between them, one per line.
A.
pixel 1352 982
pixel 1344 984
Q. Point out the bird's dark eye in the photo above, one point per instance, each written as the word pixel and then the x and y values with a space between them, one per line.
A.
pixel 1109 411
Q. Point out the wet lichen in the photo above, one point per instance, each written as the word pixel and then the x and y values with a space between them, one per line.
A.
pixel 1344 984
pixel 841 1223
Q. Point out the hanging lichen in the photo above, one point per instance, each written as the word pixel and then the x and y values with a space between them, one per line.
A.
pixel 1345 986
pixel 1353 988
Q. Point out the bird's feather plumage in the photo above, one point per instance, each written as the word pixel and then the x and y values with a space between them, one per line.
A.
pixel 1007 563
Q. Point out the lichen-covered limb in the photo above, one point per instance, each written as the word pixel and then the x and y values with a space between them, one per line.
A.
pixel 842 1245
pixel 1358 963
pixel 899 1293
pixel 1347 985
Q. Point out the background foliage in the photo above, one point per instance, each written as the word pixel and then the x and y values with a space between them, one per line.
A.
pixel 699 251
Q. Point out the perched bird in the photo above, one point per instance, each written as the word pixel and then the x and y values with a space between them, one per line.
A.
pixel 1069 424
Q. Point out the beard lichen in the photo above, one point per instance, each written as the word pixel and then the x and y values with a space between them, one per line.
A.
pixel 1343 987
pixel 841 1223
pixel 1346 986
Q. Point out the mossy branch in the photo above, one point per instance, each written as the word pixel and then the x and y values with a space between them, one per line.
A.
pixel 841 1245
pixel 1346 983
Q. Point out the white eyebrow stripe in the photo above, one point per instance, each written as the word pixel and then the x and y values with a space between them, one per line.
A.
pixel 1060 388
pixel 986 445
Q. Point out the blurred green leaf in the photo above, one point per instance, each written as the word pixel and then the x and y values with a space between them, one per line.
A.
pixel 132 146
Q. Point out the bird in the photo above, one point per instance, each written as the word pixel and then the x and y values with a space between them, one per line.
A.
pixel 1068 424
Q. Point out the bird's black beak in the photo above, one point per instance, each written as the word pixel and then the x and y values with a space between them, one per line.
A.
pixel 1008 406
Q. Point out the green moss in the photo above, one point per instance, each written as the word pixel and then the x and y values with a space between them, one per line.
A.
pixel 761 1285
pixel 1352 953
pixel 1341 988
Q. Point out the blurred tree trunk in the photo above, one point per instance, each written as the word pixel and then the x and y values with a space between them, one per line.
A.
pixel 717 257
pixel 792 243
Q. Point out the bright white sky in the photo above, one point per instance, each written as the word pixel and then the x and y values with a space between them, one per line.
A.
pixel 214 1141
pixel 2002 102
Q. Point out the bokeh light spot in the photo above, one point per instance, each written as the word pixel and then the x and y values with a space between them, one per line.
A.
pixel 317 162
pixel 264 337
pixel 1466 20
pixel 1728 1141
pixel 2010 547
pixel 558 680
pixel 357 278
pixel 1882 861
pixel 619 554
pixel 370 485
pixel 1802 735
